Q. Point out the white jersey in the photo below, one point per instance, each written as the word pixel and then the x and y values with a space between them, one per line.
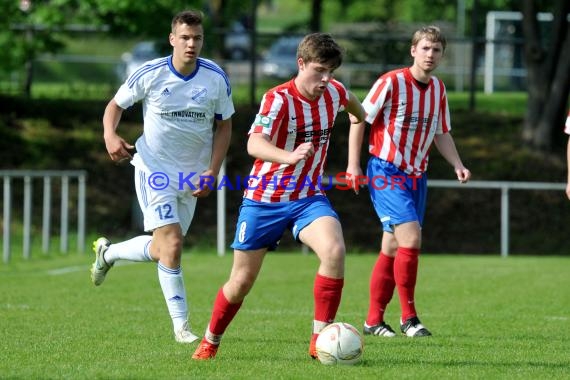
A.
pixel 178 114
pixel 567 125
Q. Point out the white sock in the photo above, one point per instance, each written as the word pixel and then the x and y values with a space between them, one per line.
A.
pixel 318 326
pixel 172 284
pixel 135 249
pixel 212 338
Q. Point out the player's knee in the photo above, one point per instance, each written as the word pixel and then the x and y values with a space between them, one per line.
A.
pixel 336 249
pixel 412 242
pixel 332 254
pixel 241 284
pixel 169 250
pixel 173 246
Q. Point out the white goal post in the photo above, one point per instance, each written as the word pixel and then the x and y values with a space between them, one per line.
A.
pixel 498 57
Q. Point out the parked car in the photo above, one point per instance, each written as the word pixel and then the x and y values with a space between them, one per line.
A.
pixel 281 59
pixel 237 45
pixel 142 52
pixel 237 42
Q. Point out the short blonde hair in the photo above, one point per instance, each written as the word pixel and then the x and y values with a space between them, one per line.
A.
pixel 431 33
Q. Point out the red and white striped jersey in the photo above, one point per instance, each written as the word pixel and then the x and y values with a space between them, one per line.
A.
pixel 567 126
pixel 405 117
pixel 290 119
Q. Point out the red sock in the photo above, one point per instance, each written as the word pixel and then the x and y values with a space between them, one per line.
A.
pixel 222 314
pixel 382 286
pixel 327 292
pixel 405 274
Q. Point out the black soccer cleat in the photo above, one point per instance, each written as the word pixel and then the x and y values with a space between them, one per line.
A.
pixel 381 329
pixel 413 328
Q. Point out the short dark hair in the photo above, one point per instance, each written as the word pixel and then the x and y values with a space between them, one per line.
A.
pixel 320 48
pixel 188 17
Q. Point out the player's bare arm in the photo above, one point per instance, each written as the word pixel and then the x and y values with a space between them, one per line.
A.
pixel 356 116
pixel 259 146
pixel 221 143
pixel 117 147
pixel 355 109
pixel 446 146
pixel 355 138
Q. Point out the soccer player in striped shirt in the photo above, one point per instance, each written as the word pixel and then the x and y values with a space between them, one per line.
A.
pixel 184 96
pixel 567 130
pixel 289 139
pixel 407 111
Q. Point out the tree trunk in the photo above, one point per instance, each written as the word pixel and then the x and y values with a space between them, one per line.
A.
pixel 316 11
pixel 28 79
pixel 29 65
pixel 548 75
pixel 551 121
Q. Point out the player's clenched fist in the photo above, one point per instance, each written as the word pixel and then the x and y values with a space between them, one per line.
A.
pixel 303 151
pixel 118 148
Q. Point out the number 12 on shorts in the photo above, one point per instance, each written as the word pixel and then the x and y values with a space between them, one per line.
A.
pixel 164 212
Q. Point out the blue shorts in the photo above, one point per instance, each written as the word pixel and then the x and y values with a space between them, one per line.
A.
pixel 261 224
pixel 397 197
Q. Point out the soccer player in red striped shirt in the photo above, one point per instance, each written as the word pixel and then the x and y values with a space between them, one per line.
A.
pixel 289 140
pixel 407 111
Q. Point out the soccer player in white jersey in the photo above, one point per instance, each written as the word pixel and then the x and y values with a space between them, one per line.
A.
pixel 407 110
pixel 187 109
pixel 289 139
pixel 567 130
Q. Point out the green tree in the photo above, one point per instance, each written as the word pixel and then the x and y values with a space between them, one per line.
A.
pixel 546 58
pixel 11 41
pixel 30 28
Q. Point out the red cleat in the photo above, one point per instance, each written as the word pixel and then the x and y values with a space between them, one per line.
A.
pixel 205 350
pixel 313 346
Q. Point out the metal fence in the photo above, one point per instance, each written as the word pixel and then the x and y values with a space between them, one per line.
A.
pixel 63 178
pixel 504 186
pixel 469 65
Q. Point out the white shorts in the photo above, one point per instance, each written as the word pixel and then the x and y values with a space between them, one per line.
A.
pixel 162 205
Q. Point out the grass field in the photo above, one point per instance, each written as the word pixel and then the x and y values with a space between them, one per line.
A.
pixel 492 318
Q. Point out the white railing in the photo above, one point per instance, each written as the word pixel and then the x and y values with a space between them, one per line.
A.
pixel 27 176
pixel 81 177
pixel 504 186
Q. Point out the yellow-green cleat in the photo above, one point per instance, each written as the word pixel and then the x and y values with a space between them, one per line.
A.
pixel 100 267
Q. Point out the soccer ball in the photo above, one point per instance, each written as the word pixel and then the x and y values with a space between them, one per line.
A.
pixel 339 343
